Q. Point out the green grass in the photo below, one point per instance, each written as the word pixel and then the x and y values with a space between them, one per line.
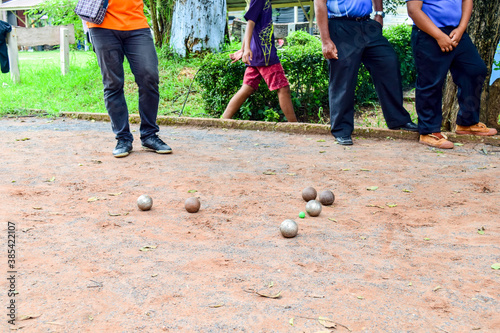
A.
pixel 43 88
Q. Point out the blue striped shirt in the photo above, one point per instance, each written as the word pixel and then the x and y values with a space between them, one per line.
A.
pixel 349 8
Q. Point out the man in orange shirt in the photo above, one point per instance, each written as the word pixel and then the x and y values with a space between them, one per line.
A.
pixel 125 33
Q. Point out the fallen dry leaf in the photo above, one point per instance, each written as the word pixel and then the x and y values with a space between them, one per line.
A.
pixel 148 248
pixel 326 322
pixel 216 306
pixel 267 295
pixel 30 316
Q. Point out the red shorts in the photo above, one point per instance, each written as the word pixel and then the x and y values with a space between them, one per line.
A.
pixel 274 76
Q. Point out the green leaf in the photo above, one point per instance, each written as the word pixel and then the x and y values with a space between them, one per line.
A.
pixel 391 205
pixel 291 321
pixel 427 239
pixel 458 144
pixel 192 191
pixel 321 140
pixel 407 191
pixel 496 266
pixel 372 188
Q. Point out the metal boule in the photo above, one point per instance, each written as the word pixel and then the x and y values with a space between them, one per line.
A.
pixel 313 207
pixel 144 202
pixel 289 228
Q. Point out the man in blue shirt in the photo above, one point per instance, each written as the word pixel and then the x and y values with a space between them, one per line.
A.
pixel 440 43
pixel 349 37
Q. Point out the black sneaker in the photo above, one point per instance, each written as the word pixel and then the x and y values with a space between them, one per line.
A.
pixel 123 148
pixel 156 144
pixel 411 126
pixel 344 140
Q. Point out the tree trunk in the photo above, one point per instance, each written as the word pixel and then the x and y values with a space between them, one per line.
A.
pixel 161 19
pixel 198 26
pixel 484 30
pixel 154 23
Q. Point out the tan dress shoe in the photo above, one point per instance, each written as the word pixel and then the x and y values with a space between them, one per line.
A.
pixel 436 140
pixel 477 129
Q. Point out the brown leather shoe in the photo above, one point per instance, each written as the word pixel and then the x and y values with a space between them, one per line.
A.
pixel 437 140
pixel 477 129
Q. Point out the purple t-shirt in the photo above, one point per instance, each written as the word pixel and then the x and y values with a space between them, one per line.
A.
pixel 443 13
pixel 262 44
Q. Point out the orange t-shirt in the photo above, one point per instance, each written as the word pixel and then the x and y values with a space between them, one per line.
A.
pixel 123 15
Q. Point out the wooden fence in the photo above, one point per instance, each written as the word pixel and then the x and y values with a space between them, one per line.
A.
pixel 55 35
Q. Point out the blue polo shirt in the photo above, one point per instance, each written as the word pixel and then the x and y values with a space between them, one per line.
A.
pixel 349 8
pixel 443 13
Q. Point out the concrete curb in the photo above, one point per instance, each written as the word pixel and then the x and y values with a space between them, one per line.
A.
pixel 297 128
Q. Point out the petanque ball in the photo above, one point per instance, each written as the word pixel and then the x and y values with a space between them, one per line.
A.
pixel 192 205
pixel 144 202
pixel 289 228
pixel 309 193
pixel 326 197
pixel 313 207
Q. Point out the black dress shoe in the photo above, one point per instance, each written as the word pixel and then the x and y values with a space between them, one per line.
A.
pixel 123 148
pixel 156 144
pixel 344 140
pixel 411 126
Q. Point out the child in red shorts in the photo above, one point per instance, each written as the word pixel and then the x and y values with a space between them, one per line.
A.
pixel 259 53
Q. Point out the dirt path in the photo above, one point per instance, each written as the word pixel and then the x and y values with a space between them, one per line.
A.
pixel 405 257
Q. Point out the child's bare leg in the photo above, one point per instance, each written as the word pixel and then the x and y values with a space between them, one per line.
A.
pixel 237 101
pixel 286 103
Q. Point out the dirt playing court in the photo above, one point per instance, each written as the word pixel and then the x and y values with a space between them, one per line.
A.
pixel 405 256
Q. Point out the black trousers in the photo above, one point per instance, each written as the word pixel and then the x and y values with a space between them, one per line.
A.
pixel 362 42
pixel 111 48
pixel 467 70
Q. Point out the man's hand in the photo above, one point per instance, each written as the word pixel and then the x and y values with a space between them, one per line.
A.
pixel 236 56
pixel 445 43
pixel 456 36
pixel 329 50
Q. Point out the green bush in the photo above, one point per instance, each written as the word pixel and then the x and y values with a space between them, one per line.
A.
pixel 307 72
pixel 400 38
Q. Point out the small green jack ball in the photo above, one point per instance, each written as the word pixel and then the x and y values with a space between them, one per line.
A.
pixel 302 215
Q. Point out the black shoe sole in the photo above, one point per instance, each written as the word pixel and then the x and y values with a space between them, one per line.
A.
pixel 405 129
pixel 157 151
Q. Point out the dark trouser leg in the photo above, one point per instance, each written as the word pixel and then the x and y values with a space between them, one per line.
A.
pixel 343 74
pixel 468 71
pixel 381 61
pixel 110 55
pixel 141 53
pixel 432 66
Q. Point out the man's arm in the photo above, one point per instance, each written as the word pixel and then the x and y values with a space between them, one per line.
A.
pixel 378 7
pixel 424 23
pixel 328 47
pixel 247 53
pixel 456 34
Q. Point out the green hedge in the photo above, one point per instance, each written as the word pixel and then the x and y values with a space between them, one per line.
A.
pixel 307 71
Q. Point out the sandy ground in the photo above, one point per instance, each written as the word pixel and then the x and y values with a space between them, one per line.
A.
pixel 406 257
